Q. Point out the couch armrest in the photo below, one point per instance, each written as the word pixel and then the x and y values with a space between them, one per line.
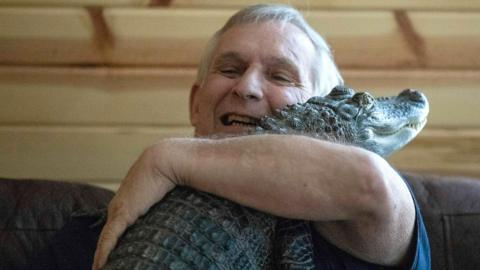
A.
pixel 32 212
pixel 451 210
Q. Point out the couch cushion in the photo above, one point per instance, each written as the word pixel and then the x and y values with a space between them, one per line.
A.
pixel 33 211
pixel 451 210
pixel 36 223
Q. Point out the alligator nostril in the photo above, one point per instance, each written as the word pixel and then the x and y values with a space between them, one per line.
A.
pixel 413 95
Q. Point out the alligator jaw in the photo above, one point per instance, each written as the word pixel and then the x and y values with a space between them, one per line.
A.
pixel 393 141
pixel 402 118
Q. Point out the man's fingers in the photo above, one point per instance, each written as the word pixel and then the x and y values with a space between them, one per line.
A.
pixel 107 240
pixel 143 186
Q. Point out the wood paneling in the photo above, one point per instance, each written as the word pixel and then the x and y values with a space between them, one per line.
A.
pixel 449 152
pixel 305 4
pixel 376 36
pixel 176 37
pixel 159 96
pixel 102 154
pixel 94 96
pixel 341 4
pixel 75 153
pixel 162 36
pixel 450 39
pixel 40 3
pixel 85 85
pixel 46 35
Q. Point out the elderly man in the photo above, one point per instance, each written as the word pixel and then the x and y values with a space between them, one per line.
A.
pixel 264 58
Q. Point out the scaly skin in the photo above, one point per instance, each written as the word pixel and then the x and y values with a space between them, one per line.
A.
pixel 189 229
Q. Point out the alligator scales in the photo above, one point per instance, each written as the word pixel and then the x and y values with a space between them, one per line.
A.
pixel 189 229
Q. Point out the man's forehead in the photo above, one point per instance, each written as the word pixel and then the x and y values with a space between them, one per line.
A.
pixel 273 60
pixel 282 43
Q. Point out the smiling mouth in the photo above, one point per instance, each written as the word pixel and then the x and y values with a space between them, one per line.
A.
pixel 230 119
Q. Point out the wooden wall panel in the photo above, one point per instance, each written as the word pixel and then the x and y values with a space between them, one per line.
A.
pixel 103 154
pixel 85 124
pixel 159 96
pixel 85 85
pixel 176 37
pixel 306 4
pixel 46 35
pixel 447 152
pixel 40 3
pixel 341 4
pixel 94 96
pixel 161 36
pixel 75 153
pixel 449 39
pixel 376 36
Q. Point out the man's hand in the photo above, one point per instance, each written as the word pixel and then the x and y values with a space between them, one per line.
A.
pixel 146 183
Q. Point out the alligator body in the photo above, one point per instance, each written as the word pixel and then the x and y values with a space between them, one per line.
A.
pixel 189 229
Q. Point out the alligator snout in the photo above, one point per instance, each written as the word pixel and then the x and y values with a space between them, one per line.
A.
pixel 413 95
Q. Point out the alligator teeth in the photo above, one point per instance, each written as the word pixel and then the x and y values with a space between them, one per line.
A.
pixel 417 125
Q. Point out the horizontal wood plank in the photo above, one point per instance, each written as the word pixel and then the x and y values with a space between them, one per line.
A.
pixel 444 152
pixel 102 154
pixel 449 39
pixel 360 39
pixel 161 36
pixel 46 36
pixel 76 153
pixel 341 4
pixel 177 36
pixel 74 3
pixel 76 96
pixel 159 96
pixel 45 23
pixel 466 5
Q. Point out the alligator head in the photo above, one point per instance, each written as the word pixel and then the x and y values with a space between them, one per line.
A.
pixel 382 125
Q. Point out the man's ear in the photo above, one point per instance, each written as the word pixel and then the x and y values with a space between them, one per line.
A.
pixel 193 104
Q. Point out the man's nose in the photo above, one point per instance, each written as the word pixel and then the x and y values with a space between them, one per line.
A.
pixel 249 86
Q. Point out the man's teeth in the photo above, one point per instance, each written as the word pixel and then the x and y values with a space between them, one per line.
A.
pixel 234 119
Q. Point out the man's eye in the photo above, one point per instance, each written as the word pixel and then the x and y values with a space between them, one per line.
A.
pixel 281 78
pixel 229 72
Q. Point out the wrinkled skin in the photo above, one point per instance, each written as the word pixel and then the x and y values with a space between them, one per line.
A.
pixel 195 230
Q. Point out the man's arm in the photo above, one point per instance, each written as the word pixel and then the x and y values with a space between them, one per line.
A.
pixel 358 202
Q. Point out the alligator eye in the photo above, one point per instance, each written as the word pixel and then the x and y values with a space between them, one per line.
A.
pixel 363 100
pixel 341 91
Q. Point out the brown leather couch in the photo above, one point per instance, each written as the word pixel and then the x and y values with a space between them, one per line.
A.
pixel 38 230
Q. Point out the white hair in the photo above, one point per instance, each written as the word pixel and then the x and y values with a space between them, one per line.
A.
pixel 324 71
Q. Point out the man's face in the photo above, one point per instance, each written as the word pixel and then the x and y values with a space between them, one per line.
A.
pixel 256 69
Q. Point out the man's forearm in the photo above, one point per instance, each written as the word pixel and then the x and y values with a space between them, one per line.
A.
pixel 289 176
pixel 305 178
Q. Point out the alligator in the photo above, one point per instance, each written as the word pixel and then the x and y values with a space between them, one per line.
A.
pixel 190 229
